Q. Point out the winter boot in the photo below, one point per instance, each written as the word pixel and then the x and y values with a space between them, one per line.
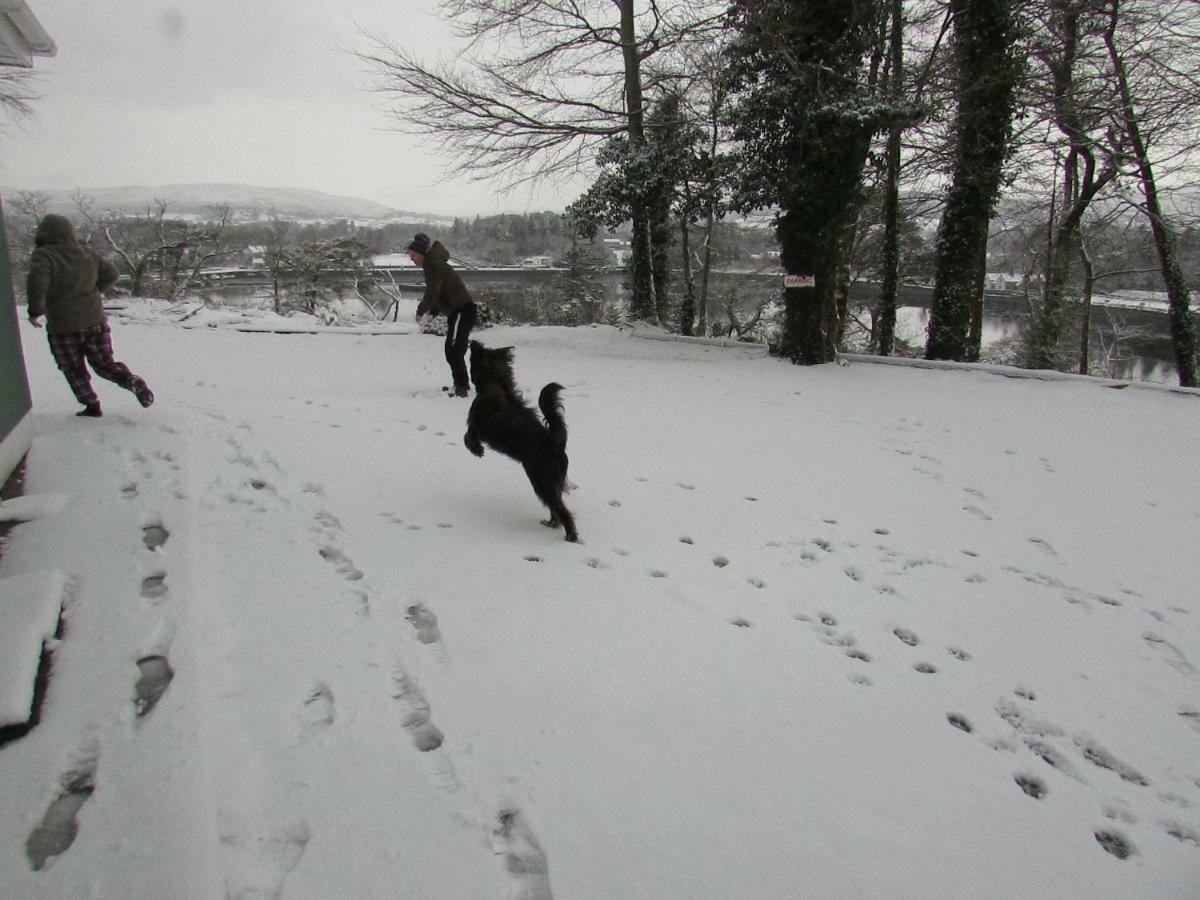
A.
pixel 142 391
pixel 92 411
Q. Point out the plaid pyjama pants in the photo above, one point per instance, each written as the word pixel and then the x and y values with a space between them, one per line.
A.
pixel 94 346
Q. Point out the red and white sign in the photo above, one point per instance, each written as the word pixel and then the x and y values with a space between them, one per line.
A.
pixel 798 281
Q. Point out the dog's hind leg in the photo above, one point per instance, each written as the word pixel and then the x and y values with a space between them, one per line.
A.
pixel 563 515
pixel 551 495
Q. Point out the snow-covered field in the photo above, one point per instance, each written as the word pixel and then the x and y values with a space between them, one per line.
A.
pixel 837 632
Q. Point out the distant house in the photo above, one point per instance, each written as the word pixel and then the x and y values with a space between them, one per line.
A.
pixel 619 249
pixel 21 39
pixel 393 261
pixel 536 262
pixel 1003 281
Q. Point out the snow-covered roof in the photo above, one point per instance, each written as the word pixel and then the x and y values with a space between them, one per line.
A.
pixel 22 36
pixel 392 261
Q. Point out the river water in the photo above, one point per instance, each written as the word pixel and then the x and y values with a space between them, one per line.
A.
pixel 1130 345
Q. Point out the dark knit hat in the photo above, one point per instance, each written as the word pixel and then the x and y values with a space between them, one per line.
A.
pixel 420 243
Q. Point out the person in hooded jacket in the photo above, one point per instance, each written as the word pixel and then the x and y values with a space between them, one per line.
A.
pixel 446 294
pixel 65 284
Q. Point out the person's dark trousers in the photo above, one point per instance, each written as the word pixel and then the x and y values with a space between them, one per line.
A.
pixel 458 335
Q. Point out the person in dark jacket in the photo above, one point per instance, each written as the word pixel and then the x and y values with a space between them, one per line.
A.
pixel 66 280
pixel 446 294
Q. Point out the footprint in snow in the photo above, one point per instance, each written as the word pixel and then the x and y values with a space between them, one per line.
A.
pixel 341 563
pixel 154 585
pixel 316 711
pixel 59 827
pixel 1171 654
pixel 258 864
pixel 1098 756
pixel 154 677
pixel 523 857
pixel 154 535
pixel 415 716
pixel 1116 843
pixel 1031 785
pixel 961 722
pixel 424 623
pixel 906 636
pixel 1044 545
pixel 1181 832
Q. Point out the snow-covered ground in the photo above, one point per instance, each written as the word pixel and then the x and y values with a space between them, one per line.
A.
pixel 837 632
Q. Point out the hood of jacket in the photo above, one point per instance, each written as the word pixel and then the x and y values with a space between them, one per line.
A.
pixel 55 230
pixel 438 254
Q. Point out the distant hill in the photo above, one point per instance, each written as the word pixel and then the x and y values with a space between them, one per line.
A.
pixel 246 201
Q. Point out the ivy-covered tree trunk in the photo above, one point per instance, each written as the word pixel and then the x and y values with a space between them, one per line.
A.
pixel 706 270
pixel 812 233
pixel 983 31
pixel 806 117
pixel 660 253
pixel 642 302
pixel 889 290
pixel 687 309
pixel 1085 307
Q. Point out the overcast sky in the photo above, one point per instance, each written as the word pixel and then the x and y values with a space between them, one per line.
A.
pixel 261 92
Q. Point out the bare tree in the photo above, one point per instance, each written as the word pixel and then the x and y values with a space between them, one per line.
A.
pixel 539 87
pixel 276 256
pixel 152 246
pixel 16 93
pixel 1174 24
pixel 132 238
pixel 1077 103
pixel 197 245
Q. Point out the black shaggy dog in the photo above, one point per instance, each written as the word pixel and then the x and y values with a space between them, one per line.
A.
pixel 501 419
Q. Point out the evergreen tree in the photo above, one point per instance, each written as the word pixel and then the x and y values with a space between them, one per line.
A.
pixel 644 176
pixel 804 116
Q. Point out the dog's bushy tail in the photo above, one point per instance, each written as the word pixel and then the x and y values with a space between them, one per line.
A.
pixel 551 406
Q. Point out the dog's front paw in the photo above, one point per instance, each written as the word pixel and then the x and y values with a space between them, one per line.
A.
pixel 473 445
